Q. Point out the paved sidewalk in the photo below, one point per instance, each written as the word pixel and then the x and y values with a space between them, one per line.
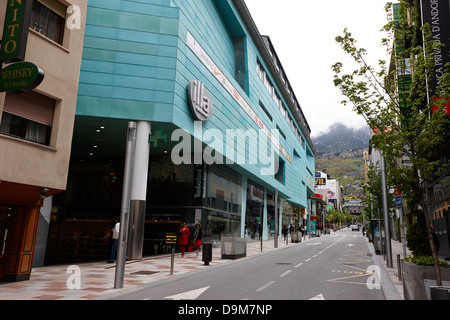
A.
pixel 397 249
pixel 97 278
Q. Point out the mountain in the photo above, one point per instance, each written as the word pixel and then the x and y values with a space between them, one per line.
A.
pixel 341 139
pixel 340 154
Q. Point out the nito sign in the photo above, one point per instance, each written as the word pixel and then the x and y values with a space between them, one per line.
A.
pixel 21 76
pixel 15 31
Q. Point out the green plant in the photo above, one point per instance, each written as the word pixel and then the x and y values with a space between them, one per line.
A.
pixel 425 261
pixel 417 241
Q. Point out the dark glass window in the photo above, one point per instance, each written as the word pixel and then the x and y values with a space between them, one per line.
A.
pixel 47 22
pixel 26 129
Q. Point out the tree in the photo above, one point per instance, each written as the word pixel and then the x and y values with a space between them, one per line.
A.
pixel 397 104
pixel 374 203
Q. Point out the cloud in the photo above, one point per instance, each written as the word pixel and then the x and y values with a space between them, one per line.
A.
pixel 303 34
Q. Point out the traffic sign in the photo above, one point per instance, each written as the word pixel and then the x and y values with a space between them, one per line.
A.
pixel 398 201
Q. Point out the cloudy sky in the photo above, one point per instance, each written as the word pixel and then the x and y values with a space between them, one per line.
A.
pixel 303 33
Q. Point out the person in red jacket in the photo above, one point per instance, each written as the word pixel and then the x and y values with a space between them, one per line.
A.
pixel 184 238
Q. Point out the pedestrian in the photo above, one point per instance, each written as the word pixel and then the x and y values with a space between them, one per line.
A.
pixel 364 230
pixel 184 238
pixel 115 237
pixel 198 235
pixel 302 230
pixel 284 231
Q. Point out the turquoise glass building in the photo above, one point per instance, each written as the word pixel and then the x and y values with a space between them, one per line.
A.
pixel 139 58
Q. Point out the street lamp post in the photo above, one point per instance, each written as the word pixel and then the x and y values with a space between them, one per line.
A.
pixel 389 262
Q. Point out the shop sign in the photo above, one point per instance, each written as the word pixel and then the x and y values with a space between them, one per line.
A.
pixel 321 181
pixel 436 103
pixel 200 101
pixel 437 14
pixel 20 77
pixel 15 30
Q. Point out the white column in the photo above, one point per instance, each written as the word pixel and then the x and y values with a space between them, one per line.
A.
pixel 139 191
pixel 243 205
pixel 142 155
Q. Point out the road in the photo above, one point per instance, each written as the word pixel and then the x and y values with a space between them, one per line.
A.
pixel 331 267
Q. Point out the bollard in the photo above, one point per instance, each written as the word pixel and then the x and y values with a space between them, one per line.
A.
pixel 172 260
pixel 399 267
pixel 207 253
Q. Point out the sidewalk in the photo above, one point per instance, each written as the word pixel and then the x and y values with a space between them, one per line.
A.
pixel 393 290
pixel 97 278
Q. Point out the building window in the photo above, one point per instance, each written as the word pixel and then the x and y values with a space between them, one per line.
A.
pixel 240 62
pixel 48 18
pixel 25 129
pixel 28 116
pixel 280 175
pixel 265 110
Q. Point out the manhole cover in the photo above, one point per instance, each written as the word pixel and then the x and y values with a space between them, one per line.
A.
pixel 145 273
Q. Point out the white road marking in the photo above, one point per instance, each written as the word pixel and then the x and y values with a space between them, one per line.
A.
pixel 268 284
pixel 285 274
pixel 189 295
pixel 318 297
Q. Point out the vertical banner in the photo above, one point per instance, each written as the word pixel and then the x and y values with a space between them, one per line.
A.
pixel 15 30
pixel 437 14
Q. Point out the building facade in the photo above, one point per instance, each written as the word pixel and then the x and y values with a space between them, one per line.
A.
pixel 219 132
pixel 36 130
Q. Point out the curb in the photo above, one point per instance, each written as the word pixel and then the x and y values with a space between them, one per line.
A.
pixel 389 290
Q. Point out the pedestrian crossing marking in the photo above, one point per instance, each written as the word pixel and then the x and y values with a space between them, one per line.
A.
pixel 349 272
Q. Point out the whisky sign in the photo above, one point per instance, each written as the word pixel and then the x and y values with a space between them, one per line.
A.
pixel 20 77
pixel 15 30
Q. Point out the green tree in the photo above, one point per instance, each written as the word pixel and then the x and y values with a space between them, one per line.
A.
pixel 396 104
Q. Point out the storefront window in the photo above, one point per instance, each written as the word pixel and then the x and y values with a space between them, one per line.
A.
pixel 224 191
pixel 254 211
pixel 222 212
pixel 271 214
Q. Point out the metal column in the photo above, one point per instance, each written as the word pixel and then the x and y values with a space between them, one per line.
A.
pixel 139 191
pixel 125 210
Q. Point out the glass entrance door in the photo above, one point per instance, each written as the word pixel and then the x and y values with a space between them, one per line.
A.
pixel 5 214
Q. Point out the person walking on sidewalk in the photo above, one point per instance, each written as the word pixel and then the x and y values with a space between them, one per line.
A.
pixel 284 231
pixel 115 237
pixel 198 235
pixel 184 238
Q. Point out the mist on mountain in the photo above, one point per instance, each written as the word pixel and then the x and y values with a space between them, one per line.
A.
pixel 341 141
pixel 340 154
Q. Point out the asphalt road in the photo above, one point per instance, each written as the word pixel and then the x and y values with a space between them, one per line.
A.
pixel 331 267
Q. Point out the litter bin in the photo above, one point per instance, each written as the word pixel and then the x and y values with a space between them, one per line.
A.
pixel 440 293
pixel 207 253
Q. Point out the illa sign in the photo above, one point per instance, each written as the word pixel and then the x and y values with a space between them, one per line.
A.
pixel 15 31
